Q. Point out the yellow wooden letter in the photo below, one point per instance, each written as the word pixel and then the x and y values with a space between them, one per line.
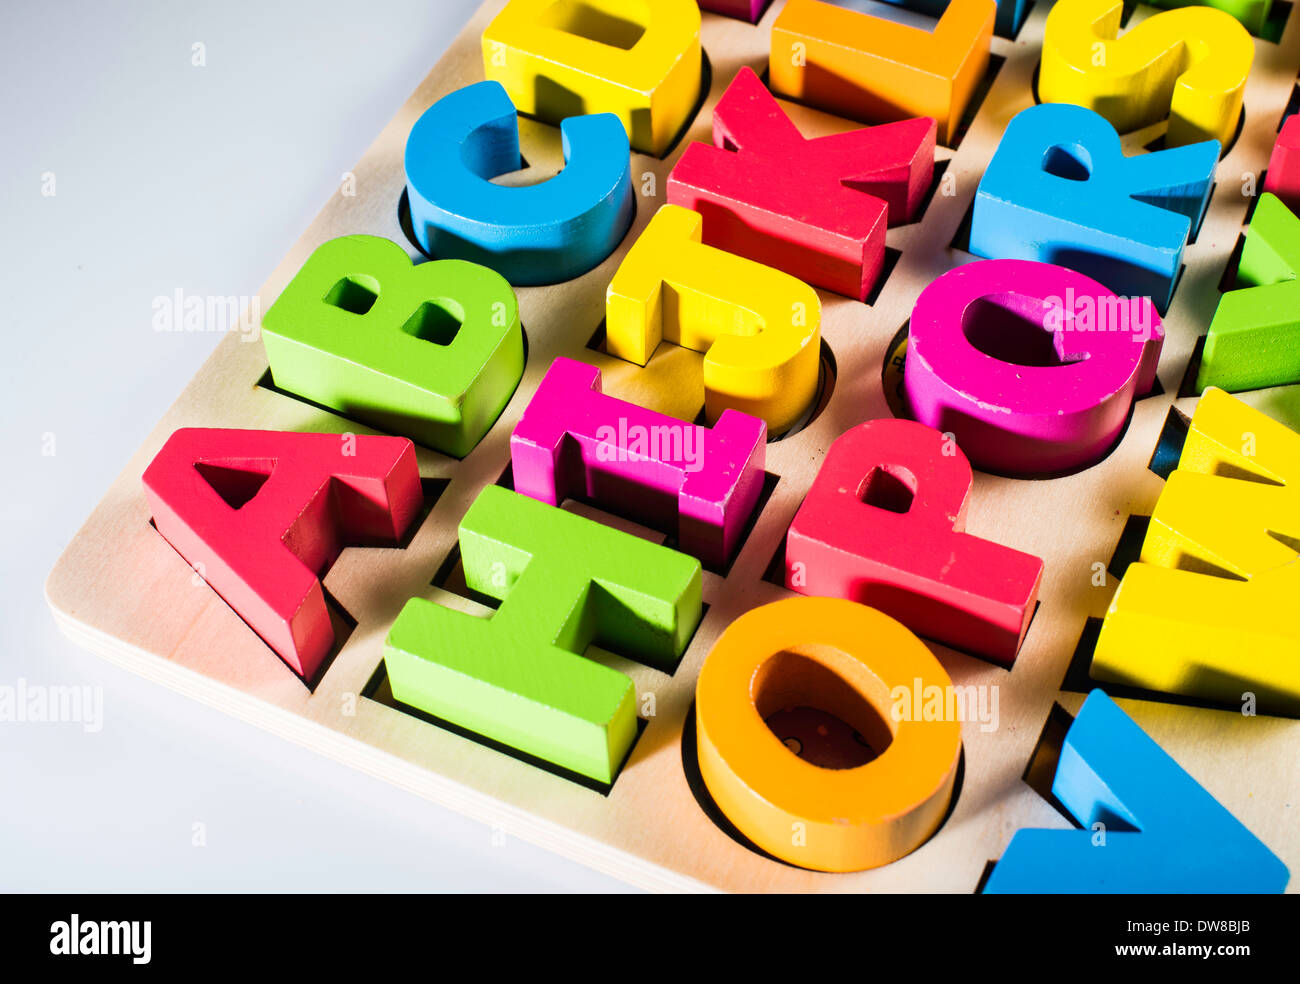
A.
pixel 1188 64
pixel 637 59
pixel 1210 609
pixel 758 327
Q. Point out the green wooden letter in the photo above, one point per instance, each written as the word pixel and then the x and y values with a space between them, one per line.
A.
pixel 431 352
pixel 1254 338
pixel 520 677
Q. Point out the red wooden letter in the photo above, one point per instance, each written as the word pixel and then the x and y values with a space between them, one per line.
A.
pixel 262 515
pixel 816 209
pixel 1283 175
pixel 882 525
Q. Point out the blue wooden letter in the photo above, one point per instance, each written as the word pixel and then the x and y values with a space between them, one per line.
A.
pixel 1149 826
pixel 1060 190
pixel 540 234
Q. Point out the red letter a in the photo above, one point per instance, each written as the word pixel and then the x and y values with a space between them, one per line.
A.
pixel 261 515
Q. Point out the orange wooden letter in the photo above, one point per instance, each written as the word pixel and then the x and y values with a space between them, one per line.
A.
pixel 869 671
pixel 876 71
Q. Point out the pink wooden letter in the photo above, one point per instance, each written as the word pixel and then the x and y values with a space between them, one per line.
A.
pixel 1031 366
pixel 573 440
pixel 750 10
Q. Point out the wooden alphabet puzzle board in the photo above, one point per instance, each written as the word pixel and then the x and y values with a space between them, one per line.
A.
pixel 123 592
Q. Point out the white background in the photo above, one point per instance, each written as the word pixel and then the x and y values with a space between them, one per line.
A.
pixel 173 176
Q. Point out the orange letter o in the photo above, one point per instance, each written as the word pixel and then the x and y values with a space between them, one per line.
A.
pixel 848 660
